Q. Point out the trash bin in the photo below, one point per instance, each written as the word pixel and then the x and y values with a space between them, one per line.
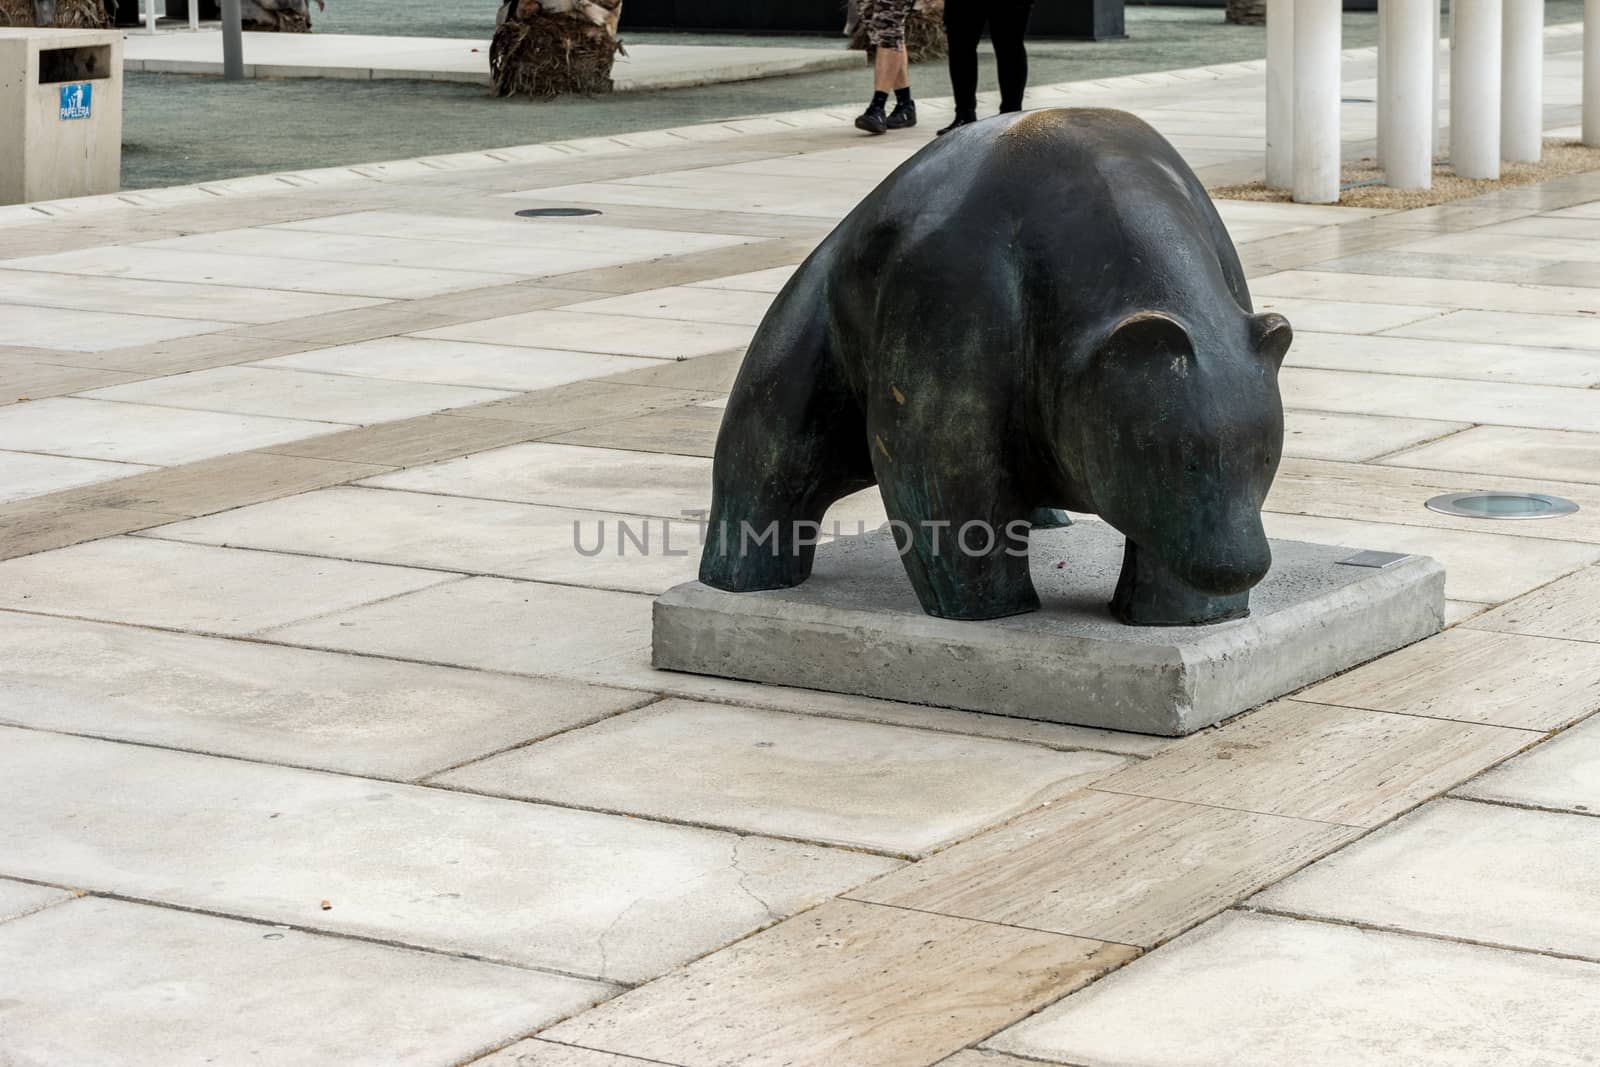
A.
pixel 60 113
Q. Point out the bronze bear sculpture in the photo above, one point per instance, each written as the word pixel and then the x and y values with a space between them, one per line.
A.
pixel 1038 311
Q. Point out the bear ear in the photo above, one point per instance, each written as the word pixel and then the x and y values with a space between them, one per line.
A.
pixel 1147 333
pixel 1272 335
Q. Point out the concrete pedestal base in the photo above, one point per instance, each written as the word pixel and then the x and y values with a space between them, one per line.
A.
pixel 856 627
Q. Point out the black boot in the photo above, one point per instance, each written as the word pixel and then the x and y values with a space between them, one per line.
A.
pixel 963 118
pixel 872 119
pixel 903 116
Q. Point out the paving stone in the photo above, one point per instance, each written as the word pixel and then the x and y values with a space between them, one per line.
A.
pixel 565 408
pixel 218 484
pixel 620 335
pixel 1459 611
pixel 491 624
pixel 771 280
pixel 189 353
pixel 714 373
pixel 1450 399
pixel 24 382
pixel 21 898
pixel 1442 265
pixel 462 534
pixel 1512 452
pixel 521 258
pixel 1116 868
pixel 857 784
pixel 776 195
pixel 596 479
pixel 237 992
pixel 985 1058
pixel 291 393
pixel 349 327
pixel 92 331
pixel 1568 609
pixel 1487 568
pixel 582 893
pixel 1471 675
pixel 426 439
pixel 1454 868
pixel 1444 359
pixel 791 241
pixel 845 983
pixel 133 296
pixel 496 232
pixel 497 300
pixel 1450 293
pixel 1363 492
pixel 41 524
pixel 736 307
pixel 24 474
pixel 1312 761
pixel 1343 316
pixel 140 433
pixel 278 705
pixel 1245 983
pixel 1356 438
pixel 536 1053
pixel 292 274
pixel 1497 240
pixel 1569 272
pixel 685 431
pixel 414 359
pixel 1506 327
pixel 195 587
pixel 1562 774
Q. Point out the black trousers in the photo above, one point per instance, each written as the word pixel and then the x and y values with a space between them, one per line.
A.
pixel 1007 20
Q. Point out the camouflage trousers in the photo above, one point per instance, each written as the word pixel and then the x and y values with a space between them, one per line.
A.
pixel 886 24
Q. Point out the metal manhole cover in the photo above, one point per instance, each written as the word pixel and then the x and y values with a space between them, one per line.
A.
pixel 556 212
pixel 1488 505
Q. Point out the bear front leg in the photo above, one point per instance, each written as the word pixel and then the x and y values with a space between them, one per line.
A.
pixel 962 537
pixel 1148 594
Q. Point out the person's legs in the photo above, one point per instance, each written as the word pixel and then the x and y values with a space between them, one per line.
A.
pixel 891 70
pixel 1008 26
pixel 963 26
pixel 886 33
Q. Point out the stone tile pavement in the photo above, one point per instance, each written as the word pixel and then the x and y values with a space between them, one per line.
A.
pixel 321 742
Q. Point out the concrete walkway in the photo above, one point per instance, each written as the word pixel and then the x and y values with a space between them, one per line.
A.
pixel 321 743
pixel 350 57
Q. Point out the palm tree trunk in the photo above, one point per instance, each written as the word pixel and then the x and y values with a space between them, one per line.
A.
pixel 69 14
pixel 547 48
pixel 277 16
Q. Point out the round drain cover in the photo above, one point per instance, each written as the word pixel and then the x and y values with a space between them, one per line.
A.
pixel 556 212
pixel 1482 505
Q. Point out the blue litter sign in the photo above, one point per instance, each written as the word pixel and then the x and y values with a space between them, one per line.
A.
pixel 77 100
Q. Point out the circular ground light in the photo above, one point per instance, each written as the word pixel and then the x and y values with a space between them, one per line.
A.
pixel 556 212
pixel 1482 505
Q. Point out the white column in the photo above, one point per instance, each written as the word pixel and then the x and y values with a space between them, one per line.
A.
pixel 1438 76
pixel 150 15
pixel 1475 88
pixel 1522 87
pixel 1385 17
pixel 1280 94
pixel 1591 72
pixel 1407 104
pixel 1317 32
pixel 194 14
